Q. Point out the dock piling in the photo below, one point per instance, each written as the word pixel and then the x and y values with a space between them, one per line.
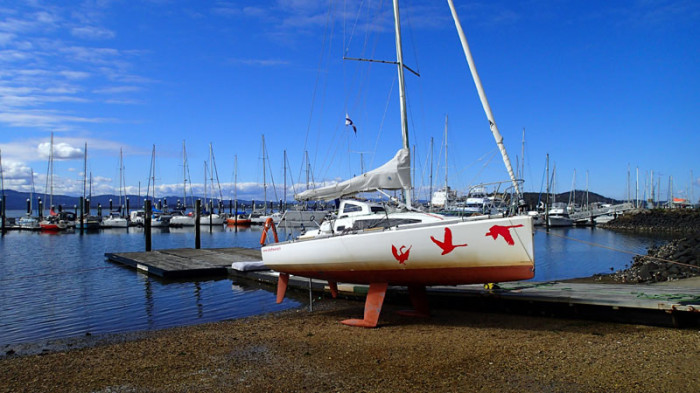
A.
pixel 82 214
pixel 147 224
pixel 2 216
pixel 197 229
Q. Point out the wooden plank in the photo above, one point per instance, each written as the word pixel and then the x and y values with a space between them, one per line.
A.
pixel 185 262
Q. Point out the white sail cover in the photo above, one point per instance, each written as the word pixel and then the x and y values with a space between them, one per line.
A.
pixel 394 175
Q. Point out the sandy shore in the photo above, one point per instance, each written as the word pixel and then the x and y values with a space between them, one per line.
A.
pixel 300 351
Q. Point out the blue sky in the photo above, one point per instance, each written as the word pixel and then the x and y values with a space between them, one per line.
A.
pixel 601 86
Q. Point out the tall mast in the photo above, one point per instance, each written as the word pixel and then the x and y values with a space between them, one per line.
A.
pixel 430 196
pixel 546 200
pixel 446 162
pixel 2 182
pixel 51 173
pixel 184 175
pixel 121 177
pixel 402 94
pixel 84 170
pixel 235 178
pixel 285 177
pixel 264 174
pixel 484 102
pixel 522 157
pixel 205 184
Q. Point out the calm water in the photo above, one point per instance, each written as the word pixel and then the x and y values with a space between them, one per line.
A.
pixel 59 285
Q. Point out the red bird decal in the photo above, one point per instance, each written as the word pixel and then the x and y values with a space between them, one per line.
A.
pixel 500 230
pixel 447 245
pixel 400 254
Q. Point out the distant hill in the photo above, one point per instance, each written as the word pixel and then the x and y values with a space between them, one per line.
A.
pixel 18 200
pixel 579 197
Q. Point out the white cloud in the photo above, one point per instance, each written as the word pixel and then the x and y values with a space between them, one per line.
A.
pixel 46 119
pixel 75 75
pixel 6 38
pixel 13 170
pixel 117 90
pixel 61 150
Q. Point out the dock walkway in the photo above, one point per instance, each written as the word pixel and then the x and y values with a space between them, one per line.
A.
pixel 186 262
pixel 642 303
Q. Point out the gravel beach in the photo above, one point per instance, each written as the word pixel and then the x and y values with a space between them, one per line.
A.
pixel 296 350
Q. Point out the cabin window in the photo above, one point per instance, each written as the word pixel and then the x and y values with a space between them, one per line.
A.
pixel 377 209
pixel 350 208
pixel 382 223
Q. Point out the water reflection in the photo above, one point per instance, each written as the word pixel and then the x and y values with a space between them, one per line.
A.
pixel 60 285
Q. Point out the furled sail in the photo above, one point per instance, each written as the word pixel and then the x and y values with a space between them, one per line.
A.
pixel 394 175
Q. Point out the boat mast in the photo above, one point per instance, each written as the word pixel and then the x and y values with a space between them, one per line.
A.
pixel 50 179
pixel 84 173
pixel 402 94
pixel 546 201
pixel 446 162
pixel 121 176
pixel 184 175
pixel 264 176
pixel 235 179
pixel 484 102
pixel 430 196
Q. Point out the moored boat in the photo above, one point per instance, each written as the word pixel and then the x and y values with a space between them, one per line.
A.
pixel 240 219
pixel 369 244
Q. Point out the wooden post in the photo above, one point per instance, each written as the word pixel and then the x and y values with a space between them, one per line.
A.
pixel 41 209
pixel 197 230
pixel 127 206
pixel 211 216
pixel 2 216
pixel 82 215
pixel 147 224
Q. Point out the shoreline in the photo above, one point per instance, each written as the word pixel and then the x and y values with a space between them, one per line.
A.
pixel 295 350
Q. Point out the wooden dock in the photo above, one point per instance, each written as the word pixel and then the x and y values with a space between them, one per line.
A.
pixel 640 303
pixel 186 262
pixel 654 304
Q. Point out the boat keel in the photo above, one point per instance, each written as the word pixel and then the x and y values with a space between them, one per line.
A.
pixel 282 282
pixel 373 306
pixel 419 300
pixel 334 288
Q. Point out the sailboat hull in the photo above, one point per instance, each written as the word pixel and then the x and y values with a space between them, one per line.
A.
pixel 447 253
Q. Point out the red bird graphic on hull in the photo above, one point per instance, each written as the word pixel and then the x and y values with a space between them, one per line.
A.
pixel 400 254
pixel 500 230
pixel 447 245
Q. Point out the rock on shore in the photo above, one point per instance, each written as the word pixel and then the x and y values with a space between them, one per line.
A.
pixel 685 221
pixel 653 266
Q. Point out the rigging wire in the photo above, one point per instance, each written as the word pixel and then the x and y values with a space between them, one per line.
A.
pixel 317 81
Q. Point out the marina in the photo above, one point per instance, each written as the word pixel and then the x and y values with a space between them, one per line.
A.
pixel 673 305
pixel 61 285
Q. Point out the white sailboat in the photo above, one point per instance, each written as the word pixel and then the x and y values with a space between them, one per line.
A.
pixel 179 219
pixel 368 244
pixel 115 218
pixel 211 218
